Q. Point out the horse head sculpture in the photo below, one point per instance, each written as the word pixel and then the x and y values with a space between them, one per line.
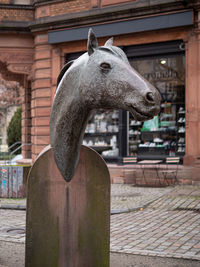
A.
pixel 100 78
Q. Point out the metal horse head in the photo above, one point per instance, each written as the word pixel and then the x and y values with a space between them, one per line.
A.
pixel 100 78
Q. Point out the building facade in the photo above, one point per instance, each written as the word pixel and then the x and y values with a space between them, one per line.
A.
pixel 162 41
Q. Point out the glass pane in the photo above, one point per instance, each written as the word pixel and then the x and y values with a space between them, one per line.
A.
pixel 102 131
pixel 165 134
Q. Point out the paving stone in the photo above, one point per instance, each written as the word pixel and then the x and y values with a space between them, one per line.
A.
pixel 164 227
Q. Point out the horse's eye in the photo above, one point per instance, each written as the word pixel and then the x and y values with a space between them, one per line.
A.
pixel 105 66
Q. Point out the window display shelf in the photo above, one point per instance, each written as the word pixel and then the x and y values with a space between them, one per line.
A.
pixel 104 134
pixel 168 139
pixel 181 131
pixel 100 148
pixel 151 150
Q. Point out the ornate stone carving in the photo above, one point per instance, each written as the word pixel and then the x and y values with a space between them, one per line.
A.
pixel 15 63
pixel 10 76
pixel 20 68
pixel 19 56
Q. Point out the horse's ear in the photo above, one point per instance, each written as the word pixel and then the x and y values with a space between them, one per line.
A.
pixel 92 42
pixel 109 42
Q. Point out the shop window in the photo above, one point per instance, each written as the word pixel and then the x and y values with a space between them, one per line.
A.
pixel 114 136
pixel 164 135
pixel 102 130
pixel 101 133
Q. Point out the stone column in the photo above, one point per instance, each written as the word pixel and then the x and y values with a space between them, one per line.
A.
pixel 41 94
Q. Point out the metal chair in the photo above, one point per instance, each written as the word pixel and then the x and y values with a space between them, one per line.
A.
pixel 169 174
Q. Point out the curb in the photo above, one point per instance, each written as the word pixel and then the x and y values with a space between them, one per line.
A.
pixel 12 207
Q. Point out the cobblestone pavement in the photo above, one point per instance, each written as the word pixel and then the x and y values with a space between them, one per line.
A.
pixel 124 198
pixel 12 225
pixel 129 198
pixel 166 222
pixel 168 227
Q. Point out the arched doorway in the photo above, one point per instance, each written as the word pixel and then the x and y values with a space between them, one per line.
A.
pixel 15 66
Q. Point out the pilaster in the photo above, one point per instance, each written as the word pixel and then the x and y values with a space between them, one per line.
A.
pixel 41 94
pixel 193 97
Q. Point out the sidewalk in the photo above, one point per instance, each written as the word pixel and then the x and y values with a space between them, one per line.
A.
pixel 13 204
pixel 163 222
pixel 167 227
pixel 124 198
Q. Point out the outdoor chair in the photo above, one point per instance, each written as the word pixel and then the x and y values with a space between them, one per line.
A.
pixel 130 174
pixel 170 174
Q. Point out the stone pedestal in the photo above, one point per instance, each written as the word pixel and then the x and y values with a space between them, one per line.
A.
pixel 68 224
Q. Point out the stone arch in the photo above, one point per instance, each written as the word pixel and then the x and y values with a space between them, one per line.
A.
pixel 16 65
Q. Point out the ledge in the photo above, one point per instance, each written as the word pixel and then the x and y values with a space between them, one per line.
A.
pixel 9 6
pixel 20 26
pixel 25 162
pixel 107 14
pixel 159 22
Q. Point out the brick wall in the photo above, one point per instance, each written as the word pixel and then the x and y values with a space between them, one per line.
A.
pixel 69 7
pixel 7 14
pixel 64 7
pixel 115 2
pixel 16 2
pixel 4 1
pixel 148 176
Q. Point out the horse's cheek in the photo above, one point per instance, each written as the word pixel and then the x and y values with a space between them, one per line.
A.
pixel 115 89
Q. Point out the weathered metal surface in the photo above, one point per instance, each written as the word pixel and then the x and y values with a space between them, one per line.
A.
pixel 11 182
pixel 100 78
pixel 68 224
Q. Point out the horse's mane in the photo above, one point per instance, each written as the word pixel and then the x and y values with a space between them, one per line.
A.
pixel 115 51
pixel 110 49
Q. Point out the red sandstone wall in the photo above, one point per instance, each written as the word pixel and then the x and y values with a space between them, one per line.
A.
pixel 134 174
pixel 4 1
pixel 16 14
pixel 73 6
pixel 64 7
pixel 114 2
pixel 41 94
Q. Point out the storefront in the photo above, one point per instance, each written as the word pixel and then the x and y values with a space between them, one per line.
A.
pixel 162 42
pixel 161 57
pixel 115 134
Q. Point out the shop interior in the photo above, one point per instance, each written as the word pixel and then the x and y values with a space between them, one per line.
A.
pixel 116 134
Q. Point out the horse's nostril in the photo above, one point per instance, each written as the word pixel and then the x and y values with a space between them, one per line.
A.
pixel 150 97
